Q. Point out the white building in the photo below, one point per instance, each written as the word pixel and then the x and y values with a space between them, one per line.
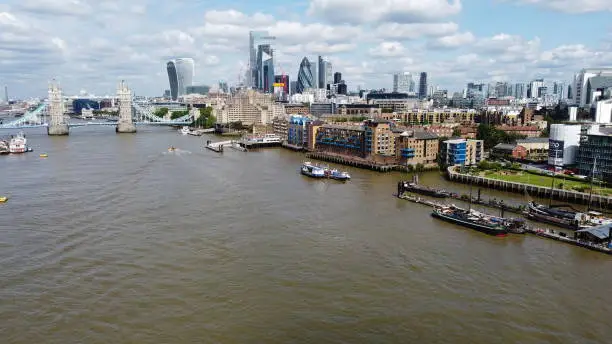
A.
pixel 563 144
pixel 403 83
pixel 580 83
pixel 603 112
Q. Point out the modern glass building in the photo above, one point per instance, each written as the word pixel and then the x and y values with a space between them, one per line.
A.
pixel 173 78
pixel 256 39
pixel 423 85
pixel 305 77
pixel 265 68
pixel 180 75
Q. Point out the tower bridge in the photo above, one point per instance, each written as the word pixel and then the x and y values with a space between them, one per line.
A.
pixel 132 112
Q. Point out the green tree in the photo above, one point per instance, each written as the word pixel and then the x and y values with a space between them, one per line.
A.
pixel 456 132
pixel 161 112
pixel 179 113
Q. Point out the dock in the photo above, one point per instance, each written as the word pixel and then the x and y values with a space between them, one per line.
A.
pixel 539 232
pixel 352 161
pixel 560 236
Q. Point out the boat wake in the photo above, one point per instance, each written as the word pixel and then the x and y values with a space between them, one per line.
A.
pixel 177 151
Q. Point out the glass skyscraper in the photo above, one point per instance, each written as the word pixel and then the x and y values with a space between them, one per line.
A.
pixel 180 75
pixel 305 77
pixel 255 77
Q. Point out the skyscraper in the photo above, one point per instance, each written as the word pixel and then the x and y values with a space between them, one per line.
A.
pixel 325 73
pixel 257 38
pixel 180 75
pixel 337 77
pixel 185 70
pixel 423 85
pixel 403 83
pixel 265 68
pixel 173 78
pixel 305 77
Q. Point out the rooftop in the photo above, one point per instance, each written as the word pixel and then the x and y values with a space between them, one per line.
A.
pixel 601 232
pixel 504 146
pixel 533 140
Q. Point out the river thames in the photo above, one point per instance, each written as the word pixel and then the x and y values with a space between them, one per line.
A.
pixel 113 239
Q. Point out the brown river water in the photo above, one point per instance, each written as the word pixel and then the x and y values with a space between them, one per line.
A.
pixel 113 239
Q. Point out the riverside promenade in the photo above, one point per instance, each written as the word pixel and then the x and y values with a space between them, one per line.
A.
pixel 533 190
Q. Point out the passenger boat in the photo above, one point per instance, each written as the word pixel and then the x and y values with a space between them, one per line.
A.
pixel 4 147
pixel 470 219
pixel 563 218
pixel 337 175
pixel 405 186
pixel 185 130
pixel 18 144
pixel 265 140
pixel 313 171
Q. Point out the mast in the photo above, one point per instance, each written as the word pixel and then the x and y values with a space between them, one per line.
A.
pixel 592 180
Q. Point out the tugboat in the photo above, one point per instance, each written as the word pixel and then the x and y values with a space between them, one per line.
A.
pixel 470 219
pixel 313 171
pixel 18 144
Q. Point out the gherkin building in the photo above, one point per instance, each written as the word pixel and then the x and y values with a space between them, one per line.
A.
pixel 305 78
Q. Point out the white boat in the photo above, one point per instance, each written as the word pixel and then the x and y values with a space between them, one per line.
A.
pixel 266 139
pixel 18 144
pixel 185 130
pixel 308 169
pixel 339 175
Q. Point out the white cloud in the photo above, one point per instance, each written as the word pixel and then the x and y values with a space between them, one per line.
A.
pixel 57 7
pixel 233 17
pixel 571 6
pixel 453 41
pixel 401 11
pixel 415 30
pixel 388 49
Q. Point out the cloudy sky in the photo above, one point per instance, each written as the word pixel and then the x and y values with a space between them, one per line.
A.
pixel 92 44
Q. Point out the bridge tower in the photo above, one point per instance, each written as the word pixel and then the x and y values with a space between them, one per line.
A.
pixel 125 124
pixel 57 123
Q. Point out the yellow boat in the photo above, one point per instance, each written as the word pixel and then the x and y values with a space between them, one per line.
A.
pixel 43 155
pixel 3 199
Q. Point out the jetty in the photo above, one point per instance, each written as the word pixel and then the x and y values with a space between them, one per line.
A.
pixel 352 161
pixel 539 232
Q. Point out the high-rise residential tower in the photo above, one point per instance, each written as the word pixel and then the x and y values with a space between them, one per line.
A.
pixel 423 85
pixel 305 78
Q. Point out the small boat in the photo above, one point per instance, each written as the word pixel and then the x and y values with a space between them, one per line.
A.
pixel 405 186
pixel 171 149
pixel 470 219
pixel 185 130
pixel 4 147
pixel 337 175
pixel 18 144
pixel 560 217
pixel 43 155
pixel 3 199
pixel 313 171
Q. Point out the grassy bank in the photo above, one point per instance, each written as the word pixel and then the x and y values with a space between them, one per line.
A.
pixel 561 182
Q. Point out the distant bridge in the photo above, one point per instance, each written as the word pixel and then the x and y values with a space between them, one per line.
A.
pixel 49 114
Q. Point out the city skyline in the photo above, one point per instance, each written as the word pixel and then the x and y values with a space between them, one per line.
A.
pixel 454 42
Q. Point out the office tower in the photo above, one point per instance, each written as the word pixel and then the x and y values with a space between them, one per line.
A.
pixel 520 91
pixel 180 75
pixel 173 78
pixel 536 86
pixel 402 82
pixel 337 77
pixel 256 65
pixel 581 79
pixel 305 77
pixel 292 87
pixel 265 68
pixel 324 71
pixel 423 85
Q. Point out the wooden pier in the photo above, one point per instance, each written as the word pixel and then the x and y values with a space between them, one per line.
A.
pixel 534 190
pixel 351 161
